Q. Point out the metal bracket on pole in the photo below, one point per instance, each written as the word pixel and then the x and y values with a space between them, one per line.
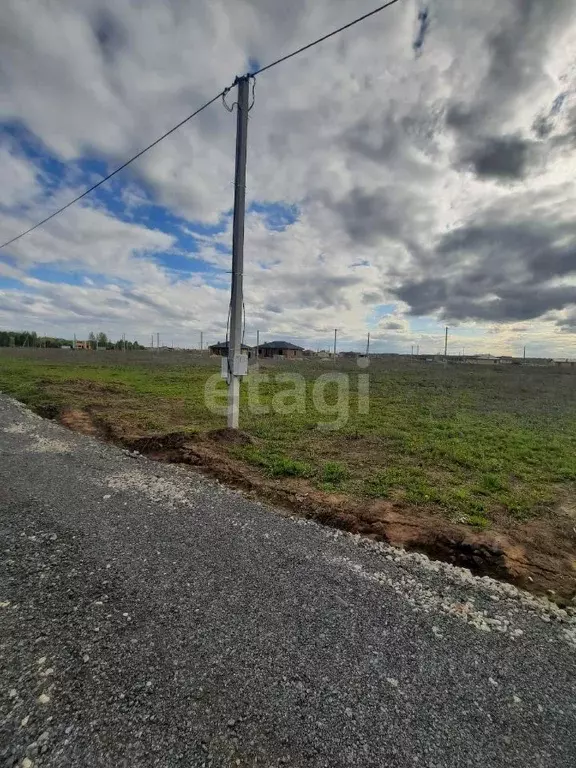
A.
pixel 235 364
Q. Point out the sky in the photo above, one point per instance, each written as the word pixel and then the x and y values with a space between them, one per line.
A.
pixel 399 180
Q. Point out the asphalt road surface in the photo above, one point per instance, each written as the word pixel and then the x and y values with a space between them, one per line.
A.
pixel 151 617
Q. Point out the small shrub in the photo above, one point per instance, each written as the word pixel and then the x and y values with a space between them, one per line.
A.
pixel 334 473
pixel 491 482
pixel 477 521
pixel 274 464
pixel 282 465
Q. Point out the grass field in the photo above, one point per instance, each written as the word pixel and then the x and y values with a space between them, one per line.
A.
pixel 475 443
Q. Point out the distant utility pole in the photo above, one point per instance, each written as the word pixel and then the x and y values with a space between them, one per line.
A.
pixel 446 344
pixel 335 337
pixel 368 345
pixel 524 353
pixel 152 340
pixel 236 301
pixel 201 340
pixel 124 342
pixel 158 341
pixel 74 347
pixel 418 350
pixel 412 351
pixel 257 345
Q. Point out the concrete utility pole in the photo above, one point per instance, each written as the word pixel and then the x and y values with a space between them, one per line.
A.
pixel 124 342
pixel 201 340
pixel 257 345
pixel 236 301
pixel 152 340
pixel 524 353
pixel 446 344
pixel 74 347
pixel 158 341
pixel 335 336
pixel 368 345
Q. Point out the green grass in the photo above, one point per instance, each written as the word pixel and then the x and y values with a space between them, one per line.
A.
pixel 333 473
pixel 276 465
pixel 475 443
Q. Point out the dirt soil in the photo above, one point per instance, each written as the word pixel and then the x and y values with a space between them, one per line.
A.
pixel 538 555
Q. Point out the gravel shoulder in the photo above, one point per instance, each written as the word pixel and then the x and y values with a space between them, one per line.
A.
pixel 150 616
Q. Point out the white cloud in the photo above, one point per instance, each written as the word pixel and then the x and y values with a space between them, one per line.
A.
pixel 18 182
pixel 356 132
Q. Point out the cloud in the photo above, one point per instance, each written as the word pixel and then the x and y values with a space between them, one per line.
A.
pixel 499 268
pixel 19 182
pixel 90 239
pixel 501 158
pixel 440 183
pixel 517 55
pixel 392 325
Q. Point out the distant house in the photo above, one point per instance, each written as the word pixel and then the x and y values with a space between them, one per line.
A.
pixel 564 363
pixel 83 345
pixel 221 349
pixel 280 348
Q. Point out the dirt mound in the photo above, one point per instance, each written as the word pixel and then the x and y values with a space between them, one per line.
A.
pixel 230 436
pixel 79 421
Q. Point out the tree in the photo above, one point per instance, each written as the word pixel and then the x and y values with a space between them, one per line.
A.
pixel 102 340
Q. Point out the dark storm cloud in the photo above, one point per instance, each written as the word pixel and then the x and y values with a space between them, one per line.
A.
pixel 543 126
pixel 524 302
pixel 567 324
pixel 109 32
pixel 517 56
pixel 369 215
pixel 391 136
pixel 502 158
pixel 387 212
pixel 498 272
pixel 326 291
pixel 319 291
pixel 372 297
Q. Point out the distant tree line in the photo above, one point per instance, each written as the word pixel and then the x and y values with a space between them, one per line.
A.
pixel 101 341
pixel 18 339
pixel 31 339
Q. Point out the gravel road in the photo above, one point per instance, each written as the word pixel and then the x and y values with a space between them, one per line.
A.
pixel 151 617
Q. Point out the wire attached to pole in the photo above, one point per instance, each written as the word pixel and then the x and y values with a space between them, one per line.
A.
pixel 253 92
pixel 117 170
pixel 325 37
pixel 221 95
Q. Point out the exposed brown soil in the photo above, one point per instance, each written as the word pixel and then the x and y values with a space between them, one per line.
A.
pixel 539 555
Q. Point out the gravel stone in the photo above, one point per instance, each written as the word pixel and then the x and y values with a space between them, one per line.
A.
pixel 324 649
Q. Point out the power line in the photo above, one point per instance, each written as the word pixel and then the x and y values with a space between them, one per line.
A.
pixel 325 37
pixel 120 168
pixel 222 94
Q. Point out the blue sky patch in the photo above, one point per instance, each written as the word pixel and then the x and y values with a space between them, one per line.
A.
pixel 278 216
